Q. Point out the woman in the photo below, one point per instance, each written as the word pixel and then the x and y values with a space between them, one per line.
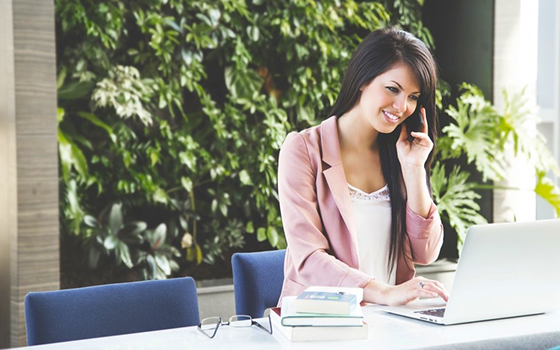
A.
pixel 354 191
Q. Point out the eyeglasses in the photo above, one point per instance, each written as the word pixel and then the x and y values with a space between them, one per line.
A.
pixel 209 326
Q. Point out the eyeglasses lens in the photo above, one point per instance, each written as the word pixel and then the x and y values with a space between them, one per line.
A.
pixel 240 321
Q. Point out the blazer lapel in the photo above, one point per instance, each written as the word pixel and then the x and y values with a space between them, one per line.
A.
pixel 336 179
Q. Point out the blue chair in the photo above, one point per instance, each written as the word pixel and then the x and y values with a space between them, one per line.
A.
pixel 257 281
pixel 112 309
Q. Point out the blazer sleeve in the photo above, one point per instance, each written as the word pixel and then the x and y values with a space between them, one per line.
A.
pixel 425 234
pixel 308 245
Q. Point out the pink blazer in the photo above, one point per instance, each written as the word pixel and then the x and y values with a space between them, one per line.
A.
pixel 318 218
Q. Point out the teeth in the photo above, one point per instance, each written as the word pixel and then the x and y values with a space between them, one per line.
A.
pixel 391 116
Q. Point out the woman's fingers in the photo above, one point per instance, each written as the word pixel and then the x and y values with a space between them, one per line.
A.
pixel 424 119
pixel 437 288
pixel 415 288
pixel 433 286
pixel 422 139
pixel 416 292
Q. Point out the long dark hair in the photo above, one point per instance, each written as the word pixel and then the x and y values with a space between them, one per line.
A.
pixel 377 53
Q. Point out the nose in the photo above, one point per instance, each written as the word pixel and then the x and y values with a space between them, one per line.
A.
pixel 400 104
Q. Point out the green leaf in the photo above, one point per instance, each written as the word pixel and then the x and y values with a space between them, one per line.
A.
pixel 242 83
pixel 71 155
pixel 152 266
pixel 282 243
pixel 93 257
pixel 116 218
pixel 174 266
pixel 272 235
pixel 187 183
pixel 91 221
pixel 163 264
pixel 125 255
pixel 223 209
pixel 214 16
pixel 189 159
pixel 173 25
pixel 198 255
pixel 261 234
pixel 61 77
pixel 548 190
pixel 75 90
pixel 253 33
pixel 60 113
pixel 191 253
pixel 160 196
pixel 159 236
pixel 187 56
pixel 245 178
pixel 249 227
pixel 111 242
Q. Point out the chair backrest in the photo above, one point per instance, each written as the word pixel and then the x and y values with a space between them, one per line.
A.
pixel 257 281
pixel 112 309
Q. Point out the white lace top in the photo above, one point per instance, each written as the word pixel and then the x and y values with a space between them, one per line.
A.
pixel 372 212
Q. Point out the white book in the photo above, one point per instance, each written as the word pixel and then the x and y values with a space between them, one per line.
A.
pixel 306 334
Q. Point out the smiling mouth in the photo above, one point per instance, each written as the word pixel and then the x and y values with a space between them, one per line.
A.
pixel 391 117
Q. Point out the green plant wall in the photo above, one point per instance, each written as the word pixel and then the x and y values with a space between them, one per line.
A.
pixel 172 113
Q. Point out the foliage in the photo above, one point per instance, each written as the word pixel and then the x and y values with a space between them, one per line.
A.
pixel 176 110
pixel 475 131
pixel 482 135
pixel 171 115
pixel 131 244
pixel 456 198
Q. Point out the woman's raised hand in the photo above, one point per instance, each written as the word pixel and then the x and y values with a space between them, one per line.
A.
pixel 414 153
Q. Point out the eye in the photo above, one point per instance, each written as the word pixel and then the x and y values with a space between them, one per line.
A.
pixel 392 89
pixel 414 98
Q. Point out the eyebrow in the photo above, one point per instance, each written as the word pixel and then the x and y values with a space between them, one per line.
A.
pixel 417 92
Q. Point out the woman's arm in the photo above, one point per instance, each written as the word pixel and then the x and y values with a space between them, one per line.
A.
pixel 308 245
pixel 423 223
pixel 425 235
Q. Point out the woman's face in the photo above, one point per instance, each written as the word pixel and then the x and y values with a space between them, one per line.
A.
pixel 389 98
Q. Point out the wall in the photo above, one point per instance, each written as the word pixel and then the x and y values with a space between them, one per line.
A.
pixel 515 62
pixel 28 160
pixel 8 201
pixel 548 86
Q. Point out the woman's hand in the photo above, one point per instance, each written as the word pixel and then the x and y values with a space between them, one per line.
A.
pixel 414 153
pixel 380 293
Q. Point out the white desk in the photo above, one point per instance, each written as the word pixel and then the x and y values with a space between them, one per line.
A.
pixel 385 332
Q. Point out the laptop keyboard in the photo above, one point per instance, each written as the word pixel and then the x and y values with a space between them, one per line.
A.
pixel 432 312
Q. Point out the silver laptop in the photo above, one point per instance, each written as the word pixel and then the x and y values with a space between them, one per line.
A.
pixel 505 270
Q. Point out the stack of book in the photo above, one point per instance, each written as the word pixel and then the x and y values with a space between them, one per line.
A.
pixel 320 314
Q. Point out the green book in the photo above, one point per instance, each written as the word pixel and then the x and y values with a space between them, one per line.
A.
pixel 319 302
